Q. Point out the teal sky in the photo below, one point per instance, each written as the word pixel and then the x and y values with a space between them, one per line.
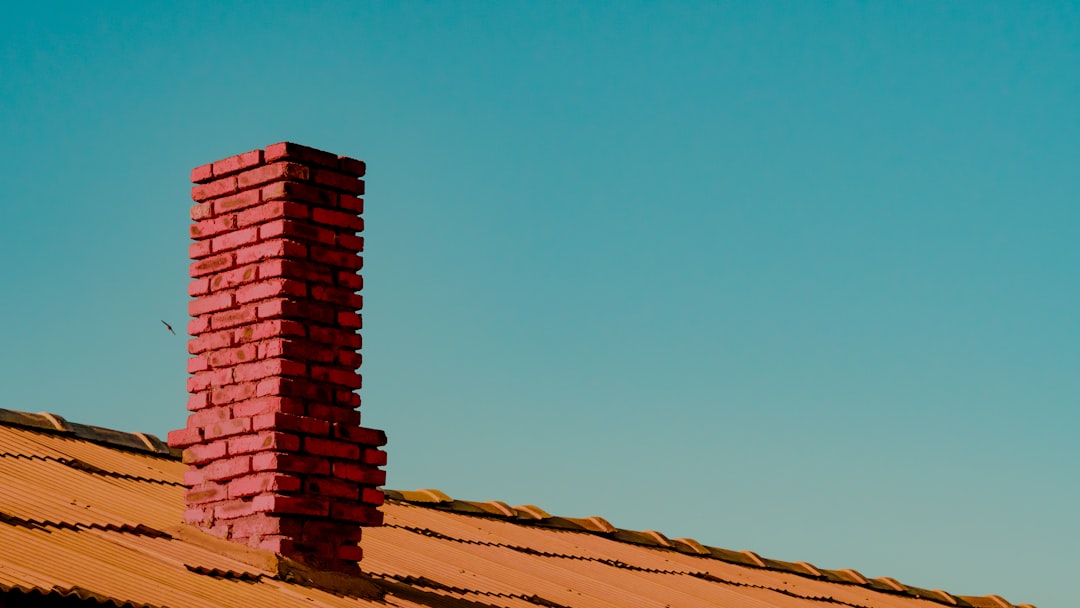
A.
pixel 793 277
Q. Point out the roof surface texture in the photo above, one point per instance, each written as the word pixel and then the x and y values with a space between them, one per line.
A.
pixel 94 515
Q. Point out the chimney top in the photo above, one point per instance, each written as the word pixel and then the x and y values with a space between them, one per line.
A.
pixel 277 457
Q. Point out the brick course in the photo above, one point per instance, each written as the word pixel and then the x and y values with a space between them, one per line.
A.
pixel 277 458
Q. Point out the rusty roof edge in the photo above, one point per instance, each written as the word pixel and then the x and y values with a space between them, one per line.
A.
pixel 56 424
pixel 529 514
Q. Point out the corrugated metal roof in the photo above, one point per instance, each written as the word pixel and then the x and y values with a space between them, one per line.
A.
pixel 90 513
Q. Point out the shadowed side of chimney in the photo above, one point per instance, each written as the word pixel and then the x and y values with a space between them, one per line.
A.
pixel 278 459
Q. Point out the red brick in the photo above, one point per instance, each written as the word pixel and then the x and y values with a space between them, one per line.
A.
pixel 295 309
pixel 300 350
pixel 268 405
pixel 337 181
pixel 214 189
pixel 274 171
pixel 198 401
pixel 332 488
pixel 329 447
pixel 269 367
pixel 202 174
pixel 234 508
pixel 260 483
pixel 352 166
pixel 350 319
pixel 228 468
pixel 335 336
pixel 277 544
pixel 270 289
pixel 337 295
pixel 363 514
pixel 292 387
pixel 198 515
pixel 208 416
pixel 360 435
pixel 227 428
pixel 273 210
pixel 220 528
pixel 337 257
pixel 367 475
pixel 372 496
pixel 234 239
pixel 290 463
pixel 338 376
pixel 260 525
pixel 236 202
pixel 375 457
pixel 349 359
pixel 352 204
pixel 295 191
pixel 232 356
pixel 350 242
pixel 198 287
pixel 296 229
pixel 275 328
pixel 212 265
pixel 264 441
pixel 199 250
pixel 291 151
pixel 351 553
pixel 276 503
pixel 204 493
pixel 333 413
pixel 204 380
pixel 350 280
pixel 289 422
pixel 210 303
pixel 237 163
pixel 232 278
pixel 337 531
pixel 212 227
pixel 202 211
pixel 232 318
pixel 337 219
pixel 225 395
pixel 182 438
pixel 347 399
pixel 278 248
pixel 193 477
pixel 209 341
pixel 205 452
pixel 197 364
pixel 295 269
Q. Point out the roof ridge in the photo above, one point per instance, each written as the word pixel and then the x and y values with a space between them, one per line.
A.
pixel 533 515
pixel 57 424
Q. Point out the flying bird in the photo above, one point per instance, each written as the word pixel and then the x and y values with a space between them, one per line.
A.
pixel 168 327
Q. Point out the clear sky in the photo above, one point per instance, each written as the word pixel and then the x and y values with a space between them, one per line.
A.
pixel 794 277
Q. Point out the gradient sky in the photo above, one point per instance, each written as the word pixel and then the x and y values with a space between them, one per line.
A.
pixel 793 277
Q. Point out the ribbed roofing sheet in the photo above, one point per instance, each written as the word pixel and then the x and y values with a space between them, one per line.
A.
pixel 16 442
pixel 78 515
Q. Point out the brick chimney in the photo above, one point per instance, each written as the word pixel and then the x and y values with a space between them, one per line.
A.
pixel 277 457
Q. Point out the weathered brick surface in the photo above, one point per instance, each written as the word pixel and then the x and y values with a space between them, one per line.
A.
pixel 300 192
pixel 234 202
pixel 297 152
pixel 237 163
pixel 337 181
pixel 213 189
pixel 202 174
pixel 277 457
pixel 350 166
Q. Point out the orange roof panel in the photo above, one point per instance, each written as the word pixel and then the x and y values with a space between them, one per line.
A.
pixel 95 514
